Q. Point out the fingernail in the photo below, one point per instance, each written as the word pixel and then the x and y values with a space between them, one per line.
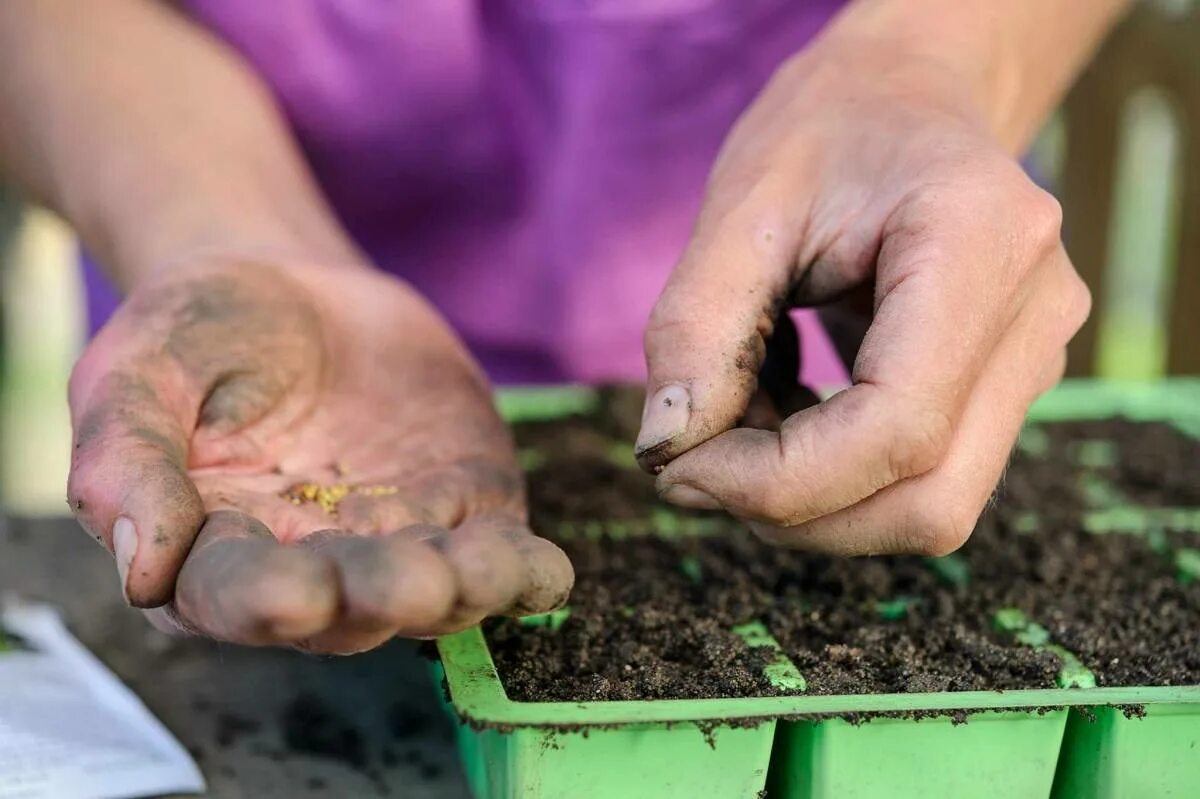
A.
pixel 125 544
pixel 688 497
pixel 665 417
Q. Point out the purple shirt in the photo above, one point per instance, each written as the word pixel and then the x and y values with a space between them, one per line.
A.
pixel 533 167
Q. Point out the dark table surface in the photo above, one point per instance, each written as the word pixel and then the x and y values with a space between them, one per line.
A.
pixel 261 723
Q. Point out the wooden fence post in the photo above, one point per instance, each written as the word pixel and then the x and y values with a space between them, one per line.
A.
pixel 1152 47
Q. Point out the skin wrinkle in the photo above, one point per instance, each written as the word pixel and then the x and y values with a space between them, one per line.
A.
pixel 173 449
pixel 210 321
pixel 830 277
pixel 125 398
pixel 235 396
pixel 468 488
pixel 381 515
pixel 489 570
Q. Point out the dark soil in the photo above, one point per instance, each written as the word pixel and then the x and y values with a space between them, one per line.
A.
pixel 639 628
pixel 652 617
pixel 1115 600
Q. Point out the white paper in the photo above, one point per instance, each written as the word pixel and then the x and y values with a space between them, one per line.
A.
pixel 69 729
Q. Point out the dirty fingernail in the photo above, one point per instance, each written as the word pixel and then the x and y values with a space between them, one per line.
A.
pixel 125 544
pixel 665 417
pixel 688 497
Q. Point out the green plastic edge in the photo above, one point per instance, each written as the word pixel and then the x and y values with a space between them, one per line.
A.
pixel 1176 400
pixel 478 694
pixel 527 403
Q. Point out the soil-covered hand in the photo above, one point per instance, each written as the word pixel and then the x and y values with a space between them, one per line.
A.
pixel 862 179
pixel 300 455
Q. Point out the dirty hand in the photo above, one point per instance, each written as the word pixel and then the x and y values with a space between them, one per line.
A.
pixel 303 456
pixel 866 182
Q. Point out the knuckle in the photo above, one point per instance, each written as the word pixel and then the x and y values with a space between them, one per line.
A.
pixel 935 528
pixel 933 197
pixel 1041 215
pixel 915 226
pixel 771 501
pixel 1063 303
pixel 1076 302
pixel 1032 223
pixel 666 317
pixel 919 441
pixel 488 573
pixel 779 502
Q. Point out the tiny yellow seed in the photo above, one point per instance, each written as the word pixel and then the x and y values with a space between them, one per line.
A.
pixel 328 497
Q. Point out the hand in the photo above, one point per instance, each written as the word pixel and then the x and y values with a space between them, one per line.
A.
pixel 861 178
pixel 300 455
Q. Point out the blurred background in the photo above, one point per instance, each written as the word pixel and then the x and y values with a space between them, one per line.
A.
pixel 1121 154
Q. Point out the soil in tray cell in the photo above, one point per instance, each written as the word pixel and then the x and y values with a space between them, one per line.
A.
pixel 652 617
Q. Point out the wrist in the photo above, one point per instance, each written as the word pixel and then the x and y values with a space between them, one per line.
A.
pixel 139 236
pixel 1006 64
pixel 949 60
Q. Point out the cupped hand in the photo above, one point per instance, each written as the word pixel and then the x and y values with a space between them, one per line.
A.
pixel 865 181
pixel 300 455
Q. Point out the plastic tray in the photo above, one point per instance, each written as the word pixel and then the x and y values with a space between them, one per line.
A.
pixel 1015 743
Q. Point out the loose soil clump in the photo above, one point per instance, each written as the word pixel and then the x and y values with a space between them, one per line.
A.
pixel 660 591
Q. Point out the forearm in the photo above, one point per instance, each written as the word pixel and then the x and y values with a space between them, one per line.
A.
pixel 154 140
pixel 1017 57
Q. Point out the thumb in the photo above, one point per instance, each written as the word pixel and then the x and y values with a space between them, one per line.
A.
pixel 129 485
pixel 706 338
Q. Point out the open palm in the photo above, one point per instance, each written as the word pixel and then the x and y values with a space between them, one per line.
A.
pixel 301 456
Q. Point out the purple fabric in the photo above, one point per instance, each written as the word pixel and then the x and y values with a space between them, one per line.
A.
pixel 533 167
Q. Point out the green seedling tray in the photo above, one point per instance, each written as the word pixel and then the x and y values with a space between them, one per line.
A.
pixel 1066 742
